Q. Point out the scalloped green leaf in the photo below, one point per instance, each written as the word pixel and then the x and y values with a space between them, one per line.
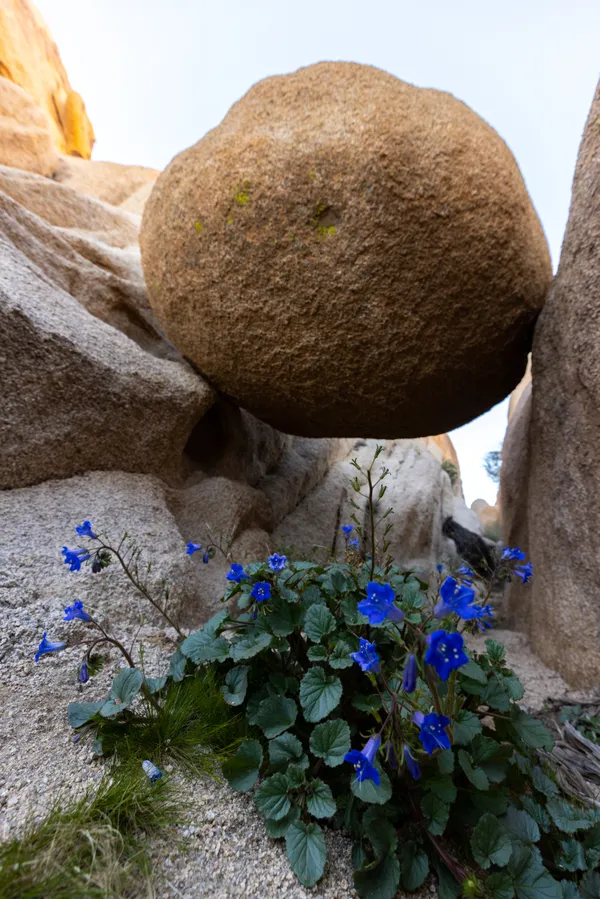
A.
pixel 318 623
pixel 125 687
pixel 250 645
pixel 490 843
pixel 236 685
pixel 271 797
pixel 287 748
pixel 319 799
pixel 330 741
pixel 379 879
pixel 319 694
pixel 241 770
pixel 79 713
pixel 466 726
pixel 368 791
pixel 275 715
pixel 305 847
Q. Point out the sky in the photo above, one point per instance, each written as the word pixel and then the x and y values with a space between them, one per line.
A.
pixel 156 75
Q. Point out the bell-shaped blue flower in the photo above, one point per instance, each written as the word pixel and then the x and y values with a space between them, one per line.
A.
pixel 76 611
pixel 409 678
pixel 432 731
pixel 455 598
pixel 466 574
pixel 85 530
pixel 363 761
pixel 236 573
pixel 347 529
pixel 192 548
pixel 46 646
pixel 445 652
pixel 206 558
pixel 367 656
pixel 277 563
pixel 261 591
pixel 84 674
pixel 75 556
pixel 513 554
pixel 379 604
pixel 354 543
pixel 411 763
pixel 151 771
pixel 524 572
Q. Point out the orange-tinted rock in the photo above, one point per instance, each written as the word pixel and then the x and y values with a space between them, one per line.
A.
pixel 29 57
pixel 349 254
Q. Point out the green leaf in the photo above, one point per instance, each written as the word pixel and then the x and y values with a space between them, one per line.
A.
pixel 125 687
pixel 305 846
pixel 492 757
pixel 567 817
pixel 277 829
pixel 521 826
pixel 317 653
pixel 590 885
pixel 530 878
pixel 285 749
pixel 513 686
pixel 572 856
pixel 340 657
pixel 275 715
pixel 495 650
pixel 319 694
pixel 338 580
pixel 490 843
pixel 466 726
pixel 250 645
pixel 320 802
pixel 330 741
pixel 379 879
pixel 530 730
pixel 271 797
pixel 445 761
pixel 436 813
pixel 369 792
pixel 493 801
pixel 241 770
pixel 539 814
pixel 154 684
pixel 474 672
pixel 205 646
pixel 366 703
pixel 443 786
pixel 380 832
pixel 318 623
pixel 284 617
pixel 414 866
pixel 495 694
pixel 79 713
pixel 236 685
pixel 542 783
pixel 296 776
pixel 499 884
pixel 476 775
pixel 177 665
pixel 569 890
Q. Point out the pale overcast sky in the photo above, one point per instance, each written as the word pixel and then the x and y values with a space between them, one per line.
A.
pixel 158 74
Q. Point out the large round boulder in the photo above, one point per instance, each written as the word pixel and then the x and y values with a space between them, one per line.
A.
pixel 349 254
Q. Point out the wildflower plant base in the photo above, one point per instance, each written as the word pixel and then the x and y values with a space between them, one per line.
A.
pixel 364 710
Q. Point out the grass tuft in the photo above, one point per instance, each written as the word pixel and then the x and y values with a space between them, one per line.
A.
pixel 91 848
pixel 192 727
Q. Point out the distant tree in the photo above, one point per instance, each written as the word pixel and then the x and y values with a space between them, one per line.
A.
pixel 492 464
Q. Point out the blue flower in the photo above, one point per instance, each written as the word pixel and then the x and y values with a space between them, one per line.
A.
pixel 458 599
pixel 74 557
pixel 46 646
pixel 277 563
pixel 261 591
pixel 236 573
pixel 192 548
pixel 367 656
pixel 84 674
pixel 465 574
pixel 411 763
pixel 206 558
pixel 516 553
pixel 525 572
pixel 379 604
pixel 363 761
pixel 76 611
pixel 445 653
pixel 409 680
pixel 353 543
pixel 439 567
pixel 347 529
pixel 432 731
pixel 85 530
pixel 151 771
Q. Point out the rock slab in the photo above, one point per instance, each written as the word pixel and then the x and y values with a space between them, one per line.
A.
pixel 342 248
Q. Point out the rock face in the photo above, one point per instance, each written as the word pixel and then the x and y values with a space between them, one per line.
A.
pixel 564 468
pixel 342 248
pixel 29 57
pixel 25 138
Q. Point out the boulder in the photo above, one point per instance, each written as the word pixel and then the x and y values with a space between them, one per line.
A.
pixel 342 248
pixel 29 57
pixel 119 185
pixel 564 467
pixel 489 519
pixel 25 138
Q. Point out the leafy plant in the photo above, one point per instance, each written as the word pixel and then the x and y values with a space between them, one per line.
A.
pixel 451 470
pixel 492 464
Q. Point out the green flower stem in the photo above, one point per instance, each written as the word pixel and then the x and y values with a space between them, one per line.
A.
pixel 125 654
pixel 434 694
pixel 140 587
